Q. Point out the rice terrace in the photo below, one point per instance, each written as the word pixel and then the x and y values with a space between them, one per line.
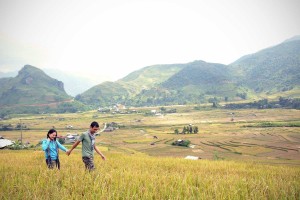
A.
pixel 246 153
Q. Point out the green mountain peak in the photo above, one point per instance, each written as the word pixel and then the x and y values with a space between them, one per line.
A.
pixel 31 86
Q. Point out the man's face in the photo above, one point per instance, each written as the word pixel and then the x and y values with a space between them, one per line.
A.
pixel 94 129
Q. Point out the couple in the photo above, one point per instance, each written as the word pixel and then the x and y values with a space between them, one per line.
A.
pixel 51 146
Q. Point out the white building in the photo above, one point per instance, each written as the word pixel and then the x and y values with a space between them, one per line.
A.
pixel 4 142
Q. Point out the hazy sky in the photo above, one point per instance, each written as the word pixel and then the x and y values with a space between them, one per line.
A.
pixel 109 39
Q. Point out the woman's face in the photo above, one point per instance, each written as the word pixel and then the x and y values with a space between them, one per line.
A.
pixel 52 136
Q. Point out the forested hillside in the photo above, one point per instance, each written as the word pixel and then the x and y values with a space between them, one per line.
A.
pixel 271 71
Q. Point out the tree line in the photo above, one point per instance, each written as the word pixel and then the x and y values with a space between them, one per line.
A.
pixel 190 129
pixel 293 103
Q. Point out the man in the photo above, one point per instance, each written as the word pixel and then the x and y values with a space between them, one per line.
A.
pixel 88 146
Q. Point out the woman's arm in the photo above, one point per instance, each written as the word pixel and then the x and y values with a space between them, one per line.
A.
pixel 45 144
pixel 61 146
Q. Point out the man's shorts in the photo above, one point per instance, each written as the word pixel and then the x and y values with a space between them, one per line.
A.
pixel 89 163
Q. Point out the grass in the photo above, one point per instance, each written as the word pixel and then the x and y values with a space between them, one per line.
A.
pixel 275 124
pixel 138 141
pixel 24 175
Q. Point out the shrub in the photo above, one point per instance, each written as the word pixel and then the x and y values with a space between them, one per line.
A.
pixel 185 143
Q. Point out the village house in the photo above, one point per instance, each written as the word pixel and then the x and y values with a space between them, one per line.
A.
pixel 4 142
pixel 111 127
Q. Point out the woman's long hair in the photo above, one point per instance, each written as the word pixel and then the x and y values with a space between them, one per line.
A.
pixel 51 131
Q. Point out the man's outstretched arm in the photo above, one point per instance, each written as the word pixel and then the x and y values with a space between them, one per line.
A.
pixel 73 147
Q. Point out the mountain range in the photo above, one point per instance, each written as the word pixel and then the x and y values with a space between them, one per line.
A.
pixel 274 71
pixel 271 71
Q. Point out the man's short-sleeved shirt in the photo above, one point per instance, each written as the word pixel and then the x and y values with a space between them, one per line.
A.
pixel 86 144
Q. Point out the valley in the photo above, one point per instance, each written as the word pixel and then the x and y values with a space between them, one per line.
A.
pixel 268 136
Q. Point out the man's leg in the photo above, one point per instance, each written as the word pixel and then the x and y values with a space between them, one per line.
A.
pixel 89 163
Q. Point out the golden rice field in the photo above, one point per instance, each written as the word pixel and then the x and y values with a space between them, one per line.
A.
pixel 240 159
pixel 24 175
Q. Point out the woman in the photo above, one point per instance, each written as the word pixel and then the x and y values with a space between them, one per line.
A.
pixel 50 146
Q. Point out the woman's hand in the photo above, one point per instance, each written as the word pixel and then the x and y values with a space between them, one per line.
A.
pixel 68 152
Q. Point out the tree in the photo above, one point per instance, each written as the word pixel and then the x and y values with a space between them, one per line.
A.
pixel 176 131
pixel 215 105
pixel 242 95
pixel 185 143
pixel 163 109
pixel 196 129
pixel 61 140
pixel 185 129
pixel 190 129
pixel 214 101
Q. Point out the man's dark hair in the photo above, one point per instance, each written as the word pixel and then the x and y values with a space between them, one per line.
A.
pixel 50 132
pixel 93 124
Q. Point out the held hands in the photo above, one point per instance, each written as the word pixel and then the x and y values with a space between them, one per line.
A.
pixel 68 152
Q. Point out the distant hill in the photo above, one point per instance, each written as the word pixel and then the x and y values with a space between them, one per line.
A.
pixel 73 84
pixel 197 82
pixel 125 89
pixel 297 37
pixel 106 93
pixel 31 86
pixel 272 70
pixel 204 78
pixel 151 76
